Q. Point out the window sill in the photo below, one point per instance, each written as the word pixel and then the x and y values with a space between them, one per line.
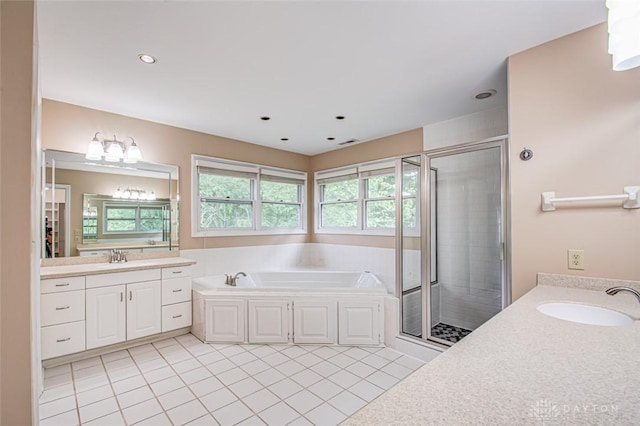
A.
pixel 385 233
pixel 252 232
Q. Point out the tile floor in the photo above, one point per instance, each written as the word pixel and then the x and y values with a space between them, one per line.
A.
pixel 184 381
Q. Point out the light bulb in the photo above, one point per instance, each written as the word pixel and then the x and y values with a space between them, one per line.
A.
pixel 114 153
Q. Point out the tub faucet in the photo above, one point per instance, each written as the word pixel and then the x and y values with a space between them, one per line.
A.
pixel 231 280
pixel 615 290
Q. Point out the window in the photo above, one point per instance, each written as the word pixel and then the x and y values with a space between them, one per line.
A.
pixel 127 219
pixel 233 198
pixel 359 199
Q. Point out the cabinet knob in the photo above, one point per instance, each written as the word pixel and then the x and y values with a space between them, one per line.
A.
pixel 176 272
pixel 177 316
pixel 177 291
pixel 64 339
pixel 62 308
pixel 62 285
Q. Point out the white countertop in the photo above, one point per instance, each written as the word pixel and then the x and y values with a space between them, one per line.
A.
pixel 105 267
pixel 523 367
pixel 124 245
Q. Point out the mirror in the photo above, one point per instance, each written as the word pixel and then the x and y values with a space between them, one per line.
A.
pixel 92 207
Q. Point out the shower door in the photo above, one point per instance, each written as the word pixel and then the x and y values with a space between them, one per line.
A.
pixel 451 253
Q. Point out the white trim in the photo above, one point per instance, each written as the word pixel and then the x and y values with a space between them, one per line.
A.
pixel 377 165
pixel 225 165
pixel 330 173
pixel 290 174
pixel 361 172
pixel 256 203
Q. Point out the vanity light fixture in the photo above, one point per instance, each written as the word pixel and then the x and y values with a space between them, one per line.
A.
pixel 134 194
pixel 113 150
pixel 624 33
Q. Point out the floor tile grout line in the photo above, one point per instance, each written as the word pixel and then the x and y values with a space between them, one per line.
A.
pixel 194 356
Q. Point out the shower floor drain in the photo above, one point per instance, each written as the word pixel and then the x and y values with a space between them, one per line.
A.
pixel 449 332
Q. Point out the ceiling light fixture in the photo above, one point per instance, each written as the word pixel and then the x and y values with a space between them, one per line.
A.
pixel 624 33
pixel 485 94
pixel 112 150
pixel 147 59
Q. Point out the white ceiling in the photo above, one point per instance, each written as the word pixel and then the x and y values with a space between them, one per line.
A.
pixel 387 66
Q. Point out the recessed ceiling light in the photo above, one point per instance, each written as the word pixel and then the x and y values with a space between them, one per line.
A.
pixel 265 118
pixel 284 139
pixel 485 94
pixel 331 139
pixel 339 117
pixel 147 59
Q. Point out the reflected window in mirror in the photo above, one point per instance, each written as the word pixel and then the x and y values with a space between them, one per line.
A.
pixel 132 225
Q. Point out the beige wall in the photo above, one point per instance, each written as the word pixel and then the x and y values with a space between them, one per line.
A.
pixel 70 128
pixel 16 186
pixel 582 121
pixel 403 143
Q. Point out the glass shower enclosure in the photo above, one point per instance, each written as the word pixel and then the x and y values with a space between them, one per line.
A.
pixel 451 260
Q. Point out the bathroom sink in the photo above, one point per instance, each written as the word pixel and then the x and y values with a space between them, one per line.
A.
pixel 585 314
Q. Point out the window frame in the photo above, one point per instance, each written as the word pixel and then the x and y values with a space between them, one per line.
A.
pixel 260 173
pixel 137 220
pixel 361 172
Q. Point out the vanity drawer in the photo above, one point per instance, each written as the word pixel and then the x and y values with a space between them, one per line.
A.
pixel 176 316
pixel 84 253
pixel 117 278
pixel 59 308
pixel 176 290
pixel 178 271
pixel 63 339
pixel 55 285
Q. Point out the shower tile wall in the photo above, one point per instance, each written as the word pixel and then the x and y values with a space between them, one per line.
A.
pixel 469 266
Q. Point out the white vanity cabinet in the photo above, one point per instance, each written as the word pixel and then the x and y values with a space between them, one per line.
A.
pixel 87 312
pixel 176 298
pixel 106 319
pixel 62 316
pixel 315 321
pixel 269 321
pixel 123 306
pixel 359 322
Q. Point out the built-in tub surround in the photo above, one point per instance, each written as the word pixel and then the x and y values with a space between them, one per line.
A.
pixel 301 307
pixel 285 257
pixel 523 367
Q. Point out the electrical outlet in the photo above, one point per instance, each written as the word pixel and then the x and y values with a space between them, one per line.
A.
pixel 575 259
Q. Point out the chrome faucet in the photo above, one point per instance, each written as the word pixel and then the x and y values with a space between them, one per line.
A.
pixel 231 280
pixel 616 290
pixel 118 256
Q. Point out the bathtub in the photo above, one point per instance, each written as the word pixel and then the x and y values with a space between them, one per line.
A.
pixel 301 307
pixel 311 281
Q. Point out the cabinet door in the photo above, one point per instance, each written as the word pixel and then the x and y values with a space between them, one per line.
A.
pixel 144 309
pixel 314 321
pixel 359 323
pixel 268 321
pixel 105 312
pixel 225 320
